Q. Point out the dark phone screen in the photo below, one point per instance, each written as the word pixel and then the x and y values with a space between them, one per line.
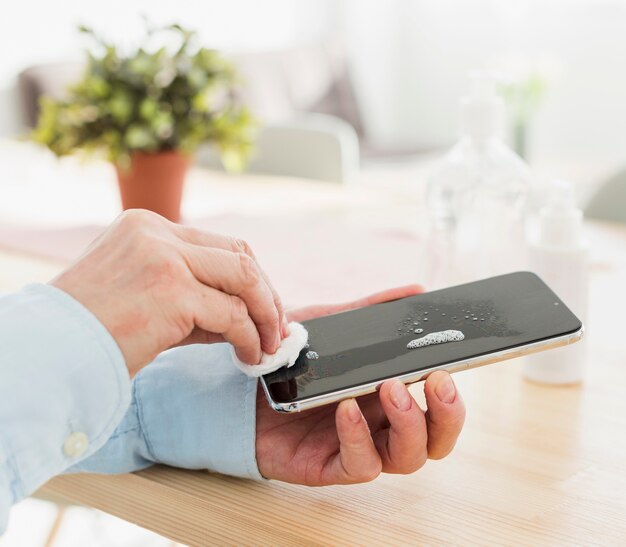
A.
pixel 370 344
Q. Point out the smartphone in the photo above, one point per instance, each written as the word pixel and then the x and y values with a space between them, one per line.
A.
pixel 352 353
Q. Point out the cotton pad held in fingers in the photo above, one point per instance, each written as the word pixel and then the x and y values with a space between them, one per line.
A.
pixel 285 355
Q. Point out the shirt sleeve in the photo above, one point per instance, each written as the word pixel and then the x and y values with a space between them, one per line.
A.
pixel 191 408
pixel 64 387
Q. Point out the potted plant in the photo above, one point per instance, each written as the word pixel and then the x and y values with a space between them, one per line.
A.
pixel 147 112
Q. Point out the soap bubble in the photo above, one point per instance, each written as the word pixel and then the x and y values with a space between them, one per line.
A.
pixel 436 338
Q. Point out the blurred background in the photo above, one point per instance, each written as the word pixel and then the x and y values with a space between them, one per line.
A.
pixel 358 97
pixel 400 67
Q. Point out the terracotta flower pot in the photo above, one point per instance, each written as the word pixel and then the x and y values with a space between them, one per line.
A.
pixel 154 182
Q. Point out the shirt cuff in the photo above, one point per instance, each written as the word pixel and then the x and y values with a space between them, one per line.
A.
pixel 64 387
pixel 125 450
pixel 198 411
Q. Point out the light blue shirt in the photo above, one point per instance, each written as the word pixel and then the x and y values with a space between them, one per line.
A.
pixel 67 404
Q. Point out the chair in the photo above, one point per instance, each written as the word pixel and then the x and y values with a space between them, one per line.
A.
pixel 302 95
pixel 312 146
pixel 609 202
pixel 313 77
pixel 51 80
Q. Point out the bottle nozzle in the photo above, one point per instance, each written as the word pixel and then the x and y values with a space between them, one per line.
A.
pixel 482 86
pixel 561 195
pixel 482 110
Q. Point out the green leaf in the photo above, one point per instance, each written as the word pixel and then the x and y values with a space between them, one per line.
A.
pixel 121 106
pixel 139 137
pixel 148 108
pixel 150 100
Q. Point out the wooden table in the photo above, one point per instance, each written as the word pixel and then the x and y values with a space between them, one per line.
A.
pixel 535 465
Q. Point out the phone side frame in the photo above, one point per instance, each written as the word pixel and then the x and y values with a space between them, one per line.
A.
pixel 419 375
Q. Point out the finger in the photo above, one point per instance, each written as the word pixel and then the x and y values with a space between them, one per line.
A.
pixel 218 241
pixel 403 447
pixel 200 336
pixel 238 275
pixel 232 323
pixel 206 239
pixel 310 312
pixel 357 460
pixel 373 412
pixel 445 415
pixel 284 327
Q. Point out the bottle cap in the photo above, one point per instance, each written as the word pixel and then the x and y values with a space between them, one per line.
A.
pixel 482 110
pixel 560 221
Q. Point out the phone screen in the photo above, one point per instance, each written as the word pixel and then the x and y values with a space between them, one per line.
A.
pixel 370 344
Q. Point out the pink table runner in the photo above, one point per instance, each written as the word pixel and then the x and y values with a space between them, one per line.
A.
pixel 310 260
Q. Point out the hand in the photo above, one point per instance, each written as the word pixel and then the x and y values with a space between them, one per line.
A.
pixel 354 442
pixel 155 284
pixel 311 312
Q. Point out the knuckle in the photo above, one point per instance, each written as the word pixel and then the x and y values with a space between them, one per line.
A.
pixel 414 464
pixel 452 421
pixel 164 272
pixel 440 453
pixel 241 246
pixel 249 271
pixel 373 471
pixel 276 299
pixel 238 310
pixel 367 472
pixel 274 320
pixel 133 218
pixel 137 226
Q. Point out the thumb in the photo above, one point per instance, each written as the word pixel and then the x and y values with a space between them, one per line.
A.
pixel 445 415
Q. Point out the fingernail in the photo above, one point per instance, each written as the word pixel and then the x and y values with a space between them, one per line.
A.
pixel 354 412
pixel 285 327
pixel 445 390
pixel 400 396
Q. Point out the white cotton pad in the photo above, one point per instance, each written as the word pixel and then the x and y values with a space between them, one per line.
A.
pixel 286 354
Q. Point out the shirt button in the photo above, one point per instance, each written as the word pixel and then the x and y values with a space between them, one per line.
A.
pixel 75 444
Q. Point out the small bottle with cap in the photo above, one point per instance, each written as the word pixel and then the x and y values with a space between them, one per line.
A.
pixel 558 254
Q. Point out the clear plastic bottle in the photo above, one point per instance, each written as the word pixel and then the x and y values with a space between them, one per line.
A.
pixel 476 196
pixel 558 254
